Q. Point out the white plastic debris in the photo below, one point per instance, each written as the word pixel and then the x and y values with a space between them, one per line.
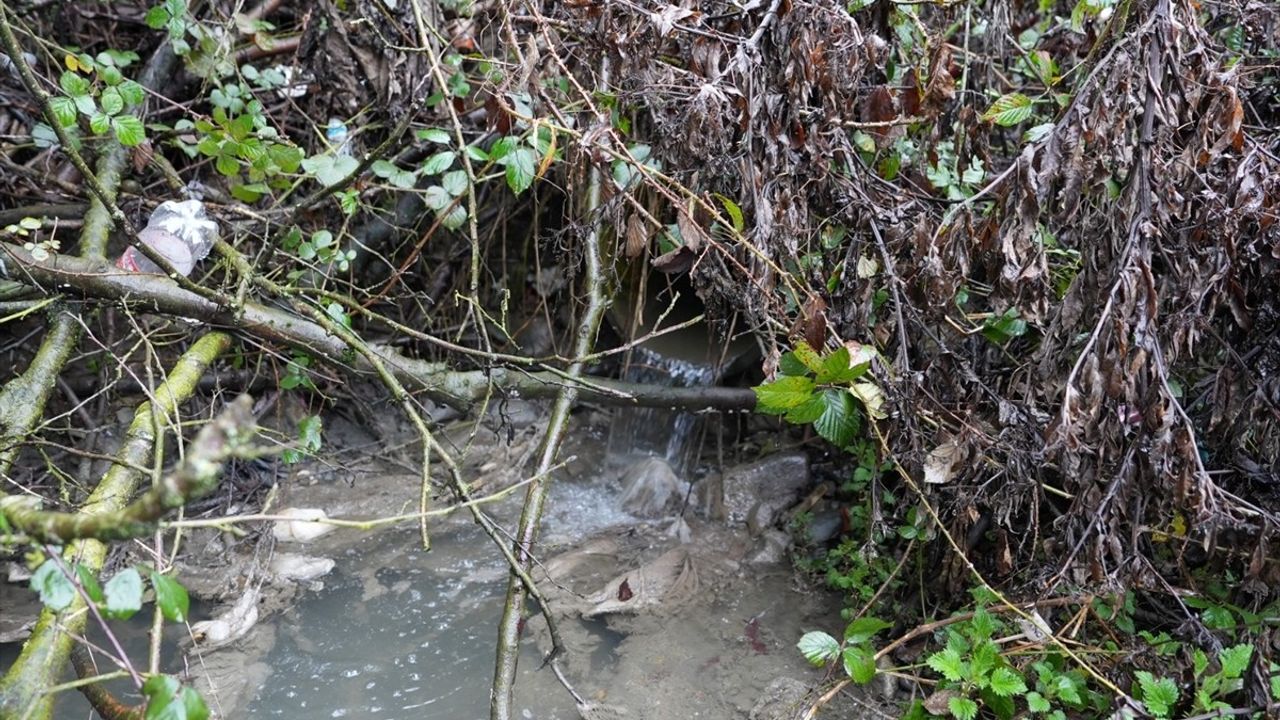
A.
pixel 291 566
pixel 302 526
pixel 339 136
pixel 180 231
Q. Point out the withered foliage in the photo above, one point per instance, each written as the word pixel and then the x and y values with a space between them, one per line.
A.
pixel 1127 433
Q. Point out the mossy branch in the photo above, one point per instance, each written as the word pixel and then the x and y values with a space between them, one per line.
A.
pixel 226 437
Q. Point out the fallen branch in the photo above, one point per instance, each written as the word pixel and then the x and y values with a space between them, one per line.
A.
pixel 158 294
pixel 226 437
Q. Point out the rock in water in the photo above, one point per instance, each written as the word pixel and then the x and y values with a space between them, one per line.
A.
pixel 650 489
pixel 762 490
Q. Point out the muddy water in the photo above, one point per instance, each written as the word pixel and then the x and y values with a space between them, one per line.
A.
pixel 413 638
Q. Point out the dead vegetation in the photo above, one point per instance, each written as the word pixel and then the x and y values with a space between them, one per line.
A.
pixel 1058 227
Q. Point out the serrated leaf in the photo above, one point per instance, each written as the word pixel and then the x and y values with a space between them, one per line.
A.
pixel 56 590
pixel 436 198
pixel 783 394
pixel 521 165
pixel 818 648
pixel 99 123
pixel 1006 681
pixel 74 84
pixel 455 182
pixel 808 356
pixel 859 663
pixel 806 412
pixel 112 103
pixel 439 162
pixel 129 130
pixel 863 629
pixel 64 110
pixel 948 664
pixel 123 594
pixel 839 421
pixel 1009 109
pixel 982 626
pixel 455 217
pixel 85 104
pixel 1037 703
pixel 1159 695
pixel 171 597
pixel 962 708
pixel 132 92
pixel 1235 660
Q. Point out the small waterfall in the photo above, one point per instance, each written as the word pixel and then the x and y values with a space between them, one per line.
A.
pixel 660 432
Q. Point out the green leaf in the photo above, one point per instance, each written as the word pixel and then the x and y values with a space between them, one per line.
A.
pixel 982 626
pixel 74 84
pixel 1235 660
pixel 783 394
pixel 789 364
pixel 806 412
pixel 840 420
pixel 455 182
pixel 1009 109
pixel 90 583
pixel 436 198
pixel 1003 328
pixel 962 708
pixel 948 664
pixel 99 123
pixel 156 18
pixel 112 103
pixel 863 629
pixel 171 597
pixel 454 219
pixel 434 135
pixel 56 590
pixel 1006 681
pixel 129 130
pixel 1159 695
pixel 132 93
pixel 520 169
pixel 1037 703
pixel 64 110
pixel 167 699
pixel 123 594
pixel 818 648
pixel 227 164
pixel 330 170
pixel 439 162
pixel 837 368
pixel 859 663
pixel 735 212
pixel 808 356
pixel 85 104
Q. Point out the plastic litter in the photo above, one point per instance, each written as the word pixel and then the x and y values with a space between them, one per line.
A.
pixel 339 136
pixel 180 231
